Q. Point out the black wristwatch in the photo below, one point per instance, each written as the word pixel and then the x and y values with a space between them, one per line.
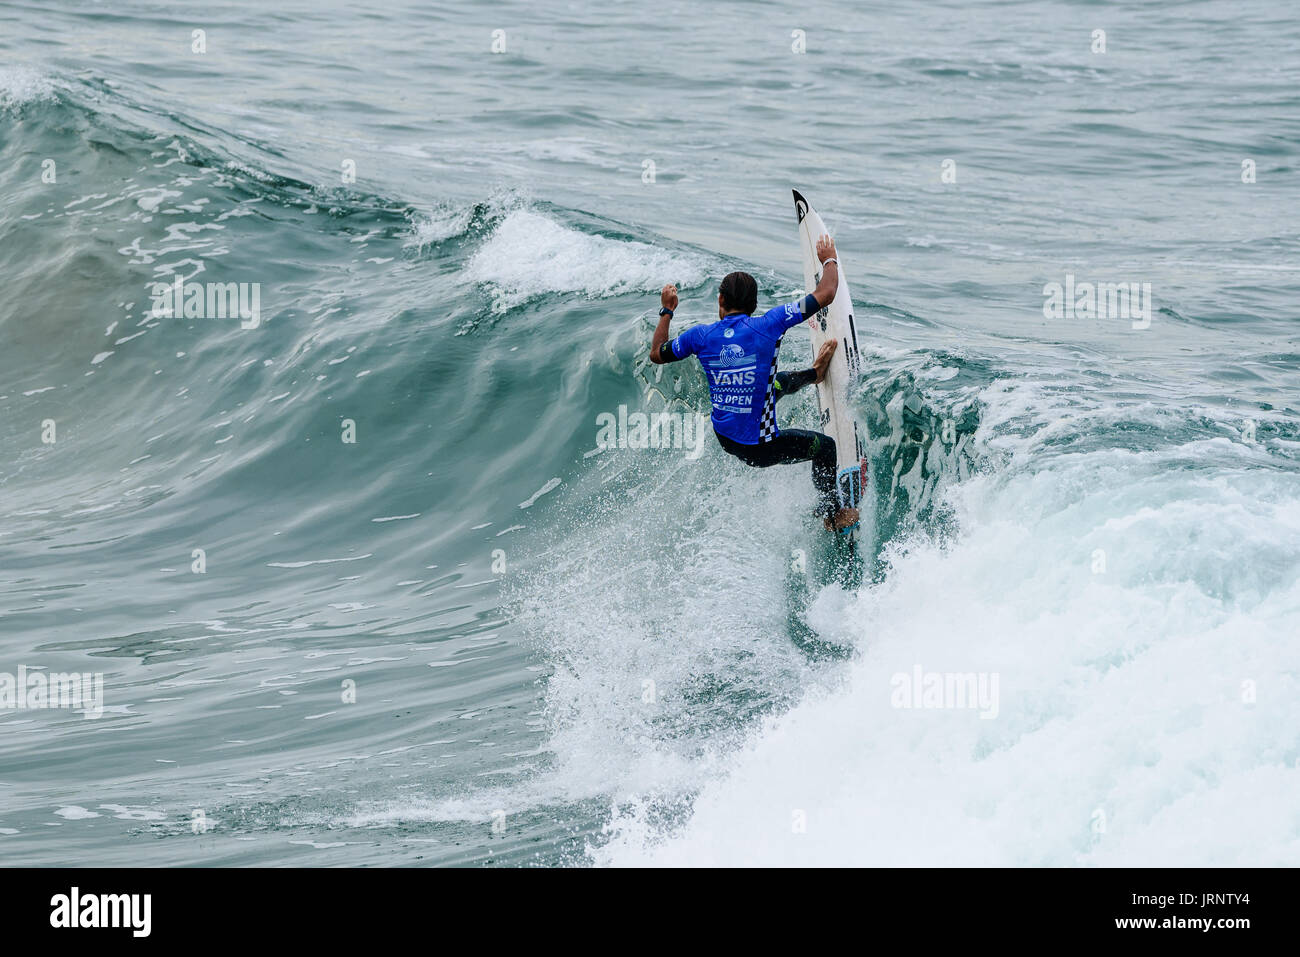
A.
pixel 665 311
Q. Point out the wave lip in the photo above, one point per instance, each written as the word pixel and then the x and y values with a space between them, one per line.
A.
pixel 21 85
pixel 530 255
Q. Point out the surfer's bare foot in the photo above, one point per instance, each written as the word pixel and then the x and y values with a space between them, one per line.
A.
pixel 843 519
pixel 822 364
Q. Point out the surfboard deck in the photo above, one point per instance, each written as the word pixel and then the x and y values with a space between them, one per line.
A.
pixel 837 418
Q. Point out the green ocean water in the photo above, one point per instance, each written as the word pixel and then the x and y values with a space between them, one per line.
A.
pixel 432 622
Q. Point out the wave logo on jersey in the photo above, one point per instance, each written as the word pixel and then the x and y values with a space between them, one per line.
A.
pixel 731 355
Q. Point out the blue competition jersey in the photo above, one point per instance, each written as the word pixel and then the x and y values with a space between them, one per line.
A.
pixel 738 354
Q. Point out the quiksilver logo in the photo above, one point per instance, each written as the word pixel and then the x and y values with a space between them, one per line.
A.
pixel 102 910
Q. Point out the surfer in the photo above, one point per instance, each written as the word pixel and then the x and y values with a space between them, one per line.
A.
pixel 738 353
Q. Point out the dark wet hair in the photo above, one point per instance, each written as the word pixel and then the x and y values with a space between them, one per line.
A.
pixel 739 291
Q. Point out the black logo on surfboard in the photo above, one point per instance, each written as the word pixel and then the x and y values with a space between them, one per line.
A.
pixel 800 206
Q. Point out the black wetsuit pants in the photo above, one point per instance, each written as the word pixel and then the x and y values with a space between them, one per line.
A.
pixel 794 445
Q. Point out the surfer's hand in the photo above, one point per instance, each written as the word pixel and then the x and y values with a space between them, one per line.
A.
pixel 658 351
pixel 829 284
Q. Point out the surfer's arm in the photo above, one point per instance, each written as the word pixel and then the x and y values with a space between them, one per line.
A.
pixel 830 281
pixel 661 349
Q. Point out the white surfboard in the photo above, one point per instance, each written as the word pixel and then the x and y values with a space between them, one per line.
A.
pixel 835 322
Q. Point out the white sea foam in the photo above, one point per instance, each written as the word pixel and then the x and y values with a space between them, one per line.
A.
pixel 529 502
pixel 1141 615
pixel 530 254
pixel 20 85
pixel 440 225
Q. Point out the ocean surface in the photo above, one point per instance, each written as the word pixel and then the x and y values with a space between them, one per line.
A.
pixel 361 583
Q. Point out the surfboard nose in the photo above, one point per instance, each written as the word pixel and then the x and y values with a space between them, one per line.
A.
pixel 800 205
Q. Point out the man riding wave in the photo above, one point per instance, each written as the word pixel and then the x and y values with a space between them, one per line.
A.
pixel 738 354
